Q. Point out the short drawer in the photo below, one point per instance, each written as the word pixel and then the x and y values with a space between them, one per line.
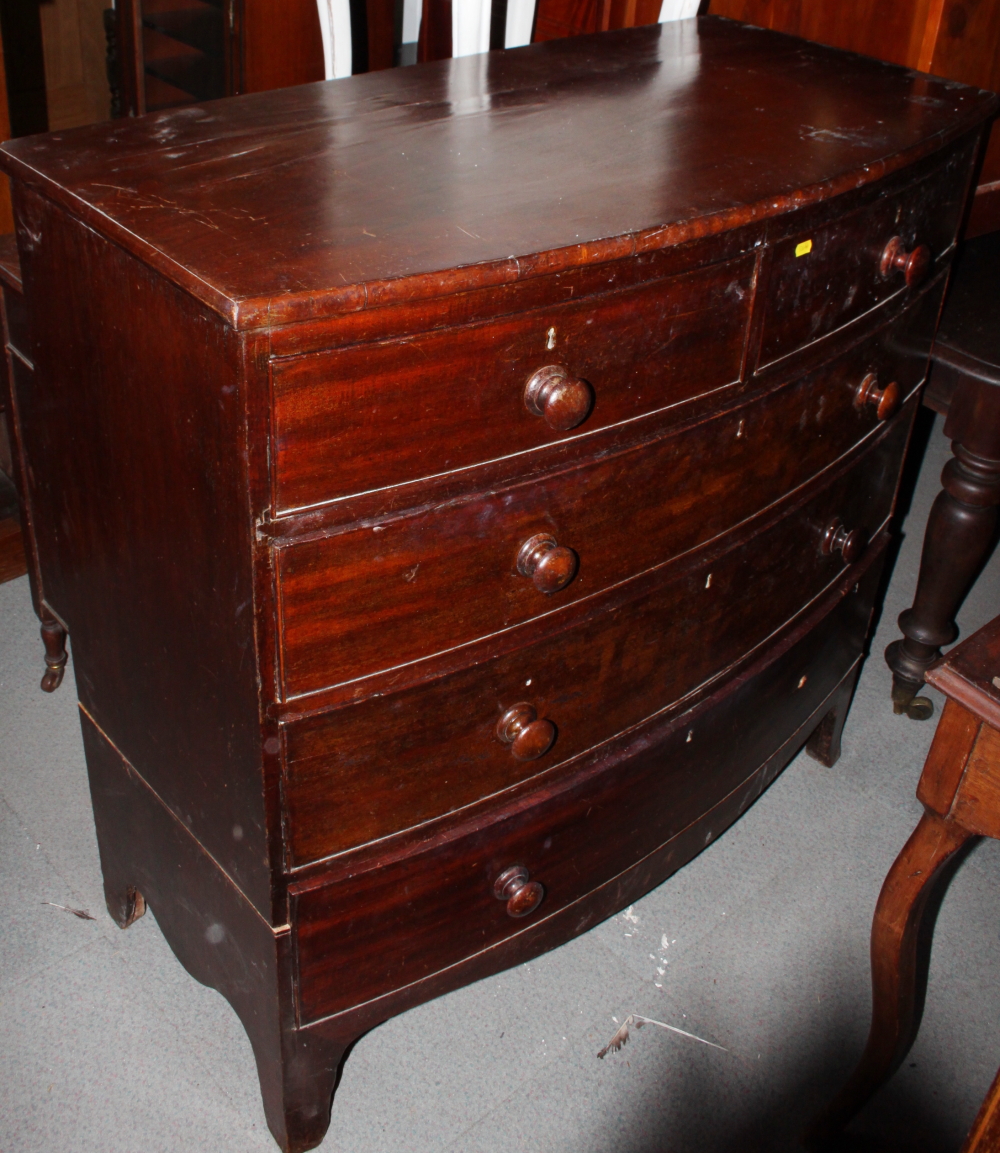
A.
pixel 422 752
pixel 370 598
pixel 821 279
pixel 436 905
pixel 375 415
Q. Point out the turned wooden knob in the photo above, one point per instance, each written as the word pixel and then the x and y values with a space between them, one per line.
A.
pixel 886 400
pixel 551 566
pixel 522 896
pixel 836 538
pixel 560 399
pixel 529 738
pixel 913 264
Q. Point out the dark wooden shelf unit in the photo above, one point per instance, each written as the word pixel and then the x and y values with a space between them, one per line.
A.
pixel 184 50
pixel 178 52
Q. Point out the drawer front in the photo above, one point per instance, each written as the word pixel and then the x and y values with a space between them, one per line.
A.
pixel 376 415
pixel 820 280
pixel 423 752
pixel 395 921
pixel 371 598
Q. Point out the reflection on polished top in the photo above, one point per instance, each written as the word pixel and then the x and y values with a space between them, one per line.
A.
pixel 304 201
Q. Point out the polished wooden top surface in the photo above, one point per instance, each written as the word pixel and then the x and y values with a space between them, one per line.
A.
pixel 321 199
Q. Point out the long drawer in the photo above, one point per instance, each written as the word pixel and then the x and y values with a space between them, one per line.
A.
pixel 423 752
pixel 436 905
pixel 375 415
pixel 824 277
pixel 381 596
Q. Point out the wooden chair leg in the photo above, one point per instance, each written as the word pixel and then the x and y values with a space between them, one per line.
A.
pixel 895 930
pixel 984 1136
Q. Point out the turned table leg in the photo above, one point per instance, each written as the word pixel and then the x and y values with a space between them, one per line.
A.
pixel 958 537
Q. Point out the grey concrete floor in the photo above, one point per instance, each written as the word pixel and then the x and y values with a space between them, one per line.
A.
pixel 760 945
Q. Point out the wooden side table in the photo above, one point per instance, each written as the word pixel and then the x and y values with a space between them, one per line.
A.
pixel 960 792
pixel 964 386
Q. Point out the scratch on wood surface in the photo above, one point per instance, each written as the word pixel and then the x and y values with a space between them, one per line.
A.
pixel 81 913
pixel 622 1036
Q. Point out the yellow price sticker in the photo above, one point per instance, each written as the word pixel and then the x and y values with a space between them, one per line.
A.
pixel 803 248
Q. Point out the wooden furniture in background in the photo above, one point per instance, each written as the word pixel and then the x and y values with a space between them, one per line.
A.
pixel 454 537
pixel 74 47
pixel 960 791
pixel 984 1136
pixel 17 390
pixel 6 212
pixel 174 53
pixel 12 558
pixel 557 18
pixel 964 387
pixel 958 39
pixel 177 53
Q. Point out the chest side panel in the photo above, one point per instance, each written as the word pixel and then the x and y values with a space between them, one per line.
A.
pixel 133 432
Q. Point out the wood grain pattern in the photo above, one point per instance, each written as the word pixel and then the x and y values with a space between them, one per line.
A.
pixel 281 45
pixel 442 211
pixel 557 18
pixel 415 893
pixel 119 570
pixel 952 38
pixel 822 279
pixel 347 417
pixel 429 750
pixel 447 575
pixel 274 389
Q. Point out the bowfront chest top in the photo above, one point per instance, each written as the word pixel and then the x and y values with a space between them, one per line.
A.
pixel 466 487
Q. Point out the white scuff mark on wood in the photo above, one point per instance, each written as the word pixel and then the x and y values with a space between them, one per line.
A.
pixel 634 1020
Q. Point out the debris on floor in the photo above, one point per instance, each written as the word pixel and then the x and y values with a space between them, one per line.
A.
pixel 81 913
pixel 622 1035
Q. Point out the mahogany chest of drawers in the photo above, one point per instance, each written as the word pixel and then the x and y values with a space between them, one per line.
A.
pixel 466 487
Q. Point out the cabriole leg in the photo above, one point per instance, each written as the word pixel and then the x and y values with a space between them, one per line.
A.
pixel 895 978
